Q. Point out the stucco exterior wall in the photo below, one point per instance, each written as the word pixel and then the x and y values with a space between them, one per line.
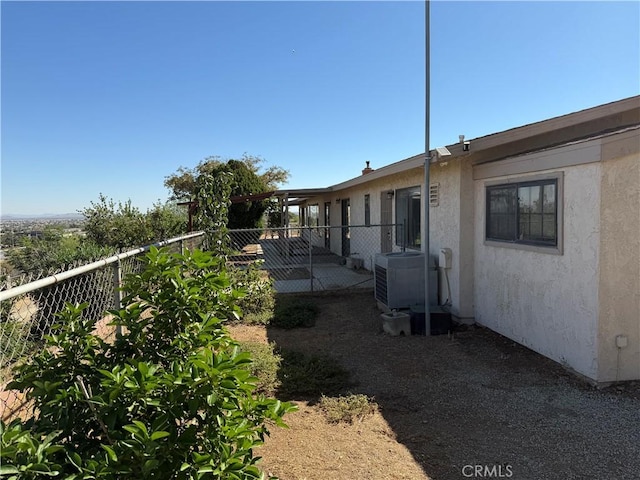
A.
pixel 619 295
pixel 451 224
pixel 452 227
pixel 546 302
pixel 445 229
pixel 365 242
pixel 466 267
pixel 568 303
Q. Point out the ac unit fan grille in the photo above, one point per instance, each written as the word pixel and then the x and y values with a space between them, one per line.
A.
pixel 381 284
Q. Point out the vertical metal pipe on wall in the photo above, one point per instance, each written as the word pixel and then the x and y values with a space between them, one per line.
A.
pixel 427 163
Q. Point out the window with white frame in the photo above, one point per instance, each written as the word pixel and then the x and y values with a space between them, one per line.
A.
pixel 524 212
pixel 408 217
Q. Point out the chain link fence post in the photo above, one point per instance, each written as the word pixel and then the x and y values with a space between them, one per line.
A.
pixel 117 293
pixel 310 257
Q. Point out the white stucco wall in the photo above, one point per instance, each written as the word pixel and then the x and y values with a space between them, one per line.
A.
pixel 546 302
pixel 451 224
pixel 619 294
pixel 365 242
pixel 445 227
pixel 452 227
pixel 467 252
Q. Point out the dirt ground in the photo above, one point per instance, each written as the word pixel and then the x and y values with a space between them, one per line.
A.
pixel 475 405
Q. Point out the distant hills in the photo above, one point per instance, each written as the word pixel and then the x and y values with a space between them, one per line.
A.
pixel 42 216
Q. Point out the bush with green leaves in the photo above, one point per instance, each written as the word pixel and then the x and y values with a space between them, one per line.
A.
pixel 294 311
pixel 265 363
pixel 123 225
pixel 303 375
pixel 24 456
pixel 213 198
pixel 347 408
pixel 172 397
pixel 247 177
pixel 257 306
pixel 120 226
pixel 55 252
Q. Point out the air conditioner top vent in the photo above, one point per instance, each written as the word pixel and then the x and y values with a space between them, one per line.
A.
pixel 400 260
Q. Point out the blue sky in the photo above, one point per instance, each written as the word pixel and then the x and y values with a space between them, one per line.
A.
pixel 111 97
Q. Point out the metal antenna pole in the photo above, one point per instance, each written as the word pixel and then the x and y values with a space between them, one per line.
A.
pixel 427 163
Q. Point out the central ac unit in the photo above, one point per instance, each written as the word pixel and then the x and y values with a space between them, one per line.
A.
pixel 399 280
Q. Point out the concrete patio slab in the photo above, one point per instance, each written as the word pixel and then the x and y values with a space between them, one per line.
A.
pixel 327 277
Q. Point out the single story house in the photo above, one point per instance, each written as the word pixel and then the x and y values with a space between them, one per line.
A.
pixel 543 224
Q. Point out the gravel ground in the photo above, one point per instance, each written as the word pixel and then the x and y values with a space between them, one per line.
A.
pixel 449 406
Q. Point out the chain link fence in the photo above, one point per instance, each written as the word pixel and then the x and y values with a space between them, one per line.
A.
pixel 27 311
pixel 297 259
pixel 314 259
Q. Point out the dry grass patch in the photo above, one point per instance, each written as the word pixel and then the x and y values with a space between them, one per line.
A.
pixel 347 408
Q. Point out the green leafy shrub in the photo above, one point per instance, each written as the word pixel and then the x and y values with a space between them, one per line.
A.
pixel 265 363
pixel 54 252
pixel 303 375
pixel 347 408
pixel 212 215
pixel 245 177
pixel 292 312
pixel 26 457
pixel 124 226
pixel 257 305
pixel 172 397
